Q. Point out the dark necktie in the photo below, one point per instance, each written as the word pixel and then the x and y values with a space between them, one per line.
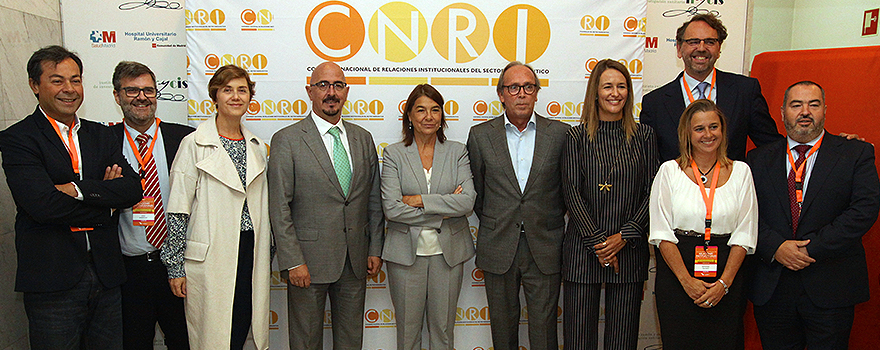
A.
pixel 155 233
pixel 792 196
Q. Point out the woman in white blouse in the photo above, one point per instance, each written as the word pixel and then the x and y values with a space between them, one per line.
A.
pixel 698 290
pixel 427 194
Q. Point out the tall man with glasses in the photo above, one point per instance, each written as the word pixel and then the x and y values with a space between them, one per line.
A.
pixel 326 213
pixel 698 42
pixel 515 162
pixel 149 144
pixel 67 175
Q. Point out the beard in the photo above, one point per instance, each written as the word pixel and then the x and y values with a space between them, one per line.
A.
pixel 803 134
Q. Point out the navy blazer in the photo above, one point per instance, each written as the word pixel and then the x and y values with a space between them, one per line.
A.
pixel 739 97
pixel 50 256
pixel 840 206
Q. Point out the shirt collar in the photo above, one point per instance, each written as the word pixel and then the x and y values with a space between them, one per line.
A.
pixel 693 82
pixel 134 133
pixel 531 124
pixel 324 126
pixel 811 143
pixel 62 126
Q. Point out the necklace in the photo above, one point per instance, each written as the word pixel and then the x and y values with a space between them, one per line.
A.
pixel 703 175
pixel 604 185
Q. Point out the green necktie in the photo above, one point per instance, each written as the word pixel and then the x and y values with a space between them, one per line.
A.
pixel 340 161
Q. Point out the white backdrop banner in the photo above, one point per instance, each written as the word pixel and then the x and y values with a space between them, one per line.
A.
pixel 103 33
pixel 387 48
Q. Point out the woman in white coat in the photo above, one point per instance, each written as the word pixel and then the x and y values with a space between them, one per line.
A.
pixel 427 194
pixel 219 239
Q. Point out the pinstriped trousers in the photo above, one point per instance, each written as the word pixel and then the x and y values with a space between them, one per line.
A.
pixel 580 316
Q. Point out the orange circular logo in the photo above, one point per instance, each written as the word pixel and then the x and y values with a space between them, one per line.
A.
pixel 631 24
pixel 335 31
pixel 509 32
pixel 590 64
pixel 480 107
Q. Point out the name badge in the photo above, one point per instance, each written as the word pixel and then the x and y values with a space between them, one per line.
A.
pixel 705 261
pixel 144 213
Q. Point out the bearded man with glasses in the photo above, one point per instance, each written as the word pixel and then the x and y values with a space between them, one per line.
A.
pixel 515 161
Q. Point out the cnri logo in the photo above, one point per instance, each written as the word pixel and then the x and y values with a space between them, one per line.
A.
pixel 105 37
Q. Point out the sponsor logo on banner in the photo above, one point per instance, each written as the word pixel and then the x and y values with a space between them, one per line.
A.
pixel 328 319
pixel 651 44
pixel 166 89
pixel 477 278
pixel 200 110
pixel 634 27
pixel 474 231
pixel 205 20
pixel 257 20
pixel 566 111
pixel 379 281
pixel 273 320
pixel 398 32
pixel 103 38
pixel 460 33
pixel 380 151
pixel 472 316
pixel 487 110
pixel 634 66
pixel 188 66
pixel 595 25
pixel 450 110
pixel 383 318
pixel 255 64
pixel 363 110
pixel 156 39
pixel 277 109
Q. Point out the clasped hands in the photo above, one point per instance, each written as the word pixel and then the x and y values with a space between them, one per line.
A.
pixel 793 255
pixel 606 251
pixel 704 294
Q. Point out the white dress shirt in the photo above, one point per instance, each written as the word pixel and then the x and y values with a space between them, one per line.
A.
pixel 521 145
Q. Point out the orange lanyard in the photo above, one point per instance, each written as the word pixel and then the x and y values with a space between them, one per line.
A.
pixel 143 159
pixel 70 145
pixel 688 88
pixel 799 171
pixel 708 200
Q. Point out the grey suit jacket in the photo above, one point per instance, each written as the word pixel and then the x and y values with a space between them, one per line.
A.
pixel 502 207
pixel 313 222
pixel 402 175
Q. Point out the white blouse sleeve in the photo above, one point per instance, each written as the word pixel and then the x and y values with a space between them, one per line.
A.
pixel 745 233
pixel 660 207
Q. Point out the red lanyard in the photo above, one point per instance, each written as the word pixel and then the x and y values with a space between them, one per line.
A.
pixel 143 159
pixel 799 171
pixel 70 145
pixel 688 88
pixel 708 200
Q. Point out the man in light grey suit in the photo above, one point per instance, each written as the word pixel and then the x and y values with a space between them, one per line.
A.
pixel 326 212
pixel 515 162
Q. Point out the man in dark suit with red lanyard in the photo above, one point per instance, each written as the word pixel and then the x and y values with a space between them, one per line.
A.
pixel 812 271
pixel 146 296
pixel 65 177
pixel 698 42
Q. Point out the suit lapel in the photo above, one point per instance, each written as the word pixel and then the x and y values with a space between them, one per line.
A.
pixel 43 123
pixel 87 151
pixel 415 165
pixel 727 94
pixel 542 141
pixel 498 142
pixel 676 103
pixel 826 159
pixel 313 140
pixel 358 164
pixel 779 178
pixel 438 167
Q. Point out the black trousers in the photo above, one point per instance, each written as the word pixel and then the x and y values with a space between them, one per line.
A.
pixel 147 299
pixel 242 305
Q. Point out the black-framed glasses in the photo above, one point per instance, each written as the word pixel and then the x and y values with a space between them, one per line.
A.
pixel 514 89
pixel 323 85
pixel 708 41
pixel 131 91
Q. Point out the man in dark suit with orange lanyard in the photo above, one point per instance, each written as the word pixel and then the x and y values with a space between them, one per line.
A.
pixel 146 296
pixel 65 177
pixel 813 269
pixel 698 42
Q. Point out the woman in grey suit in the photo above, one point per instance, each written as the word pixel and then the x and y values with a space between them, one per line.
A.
pixel 607 169
pixel 427 194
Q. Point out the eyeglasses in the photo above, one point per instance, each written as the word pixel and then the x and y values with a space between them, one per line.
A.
pixel 514 89
pixel 323 85
pixel 135 92
pixel 708 41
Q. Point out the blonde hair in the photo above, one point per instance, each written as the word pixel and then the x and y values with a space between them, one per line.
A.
pixel 685 147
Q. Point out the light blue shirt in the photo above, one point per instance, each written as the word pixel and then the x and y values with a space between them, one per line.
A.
pixel 692 83
pixel 521 145
pixel 811 160
pixel 133 239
